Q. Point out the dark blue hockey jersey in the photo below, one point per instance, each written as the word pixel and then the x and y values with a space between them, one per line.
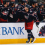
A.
pixel 30 16
pixel 40 14
pixel 5 12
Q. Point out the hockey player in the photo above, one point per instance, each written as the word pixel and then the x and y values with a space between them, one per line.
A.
pixel 13 16
pixel 30 16
pixel 20 16
pixel 37 7
pixel 14 13
pixel 4 14
pixel 21 10
pixel 41 13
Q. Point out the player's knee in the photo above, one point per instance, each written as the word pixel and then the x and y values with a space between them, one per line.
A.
pixel 29 31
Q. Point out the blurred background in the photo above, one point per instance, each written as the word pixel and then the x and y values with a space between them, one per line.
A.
pixel 29 1
pixel 16 6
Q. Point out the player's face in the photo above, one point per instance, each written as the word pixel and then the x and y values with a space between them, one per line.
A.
pixel 36 4
pixel 42 6
pixel 26 9
pixel 8 3
pixel 5 5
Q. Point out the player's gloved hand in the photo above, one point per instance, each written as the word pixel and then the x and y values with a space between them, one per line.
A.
pixel 37 23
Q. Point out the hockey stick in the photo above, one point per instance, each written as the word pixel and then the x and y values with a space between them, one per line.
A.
pixel 38 29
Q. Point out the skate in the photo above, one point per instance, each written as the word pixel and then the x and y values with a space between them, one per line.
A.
pixel 32 40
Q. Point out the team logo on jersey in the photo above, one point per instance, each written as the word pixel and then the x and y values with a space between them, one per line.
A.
pixel 30 11
pixel 5 12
